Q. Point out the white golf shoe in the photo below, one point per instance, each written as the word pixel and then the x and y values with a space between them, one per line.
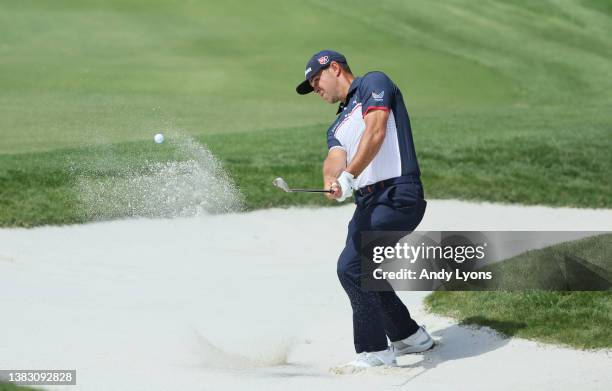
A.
pixel 373 359
pixel 418 342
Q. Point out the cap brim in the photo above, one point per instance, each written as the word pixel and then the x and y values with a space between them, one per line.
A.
pixel 304 88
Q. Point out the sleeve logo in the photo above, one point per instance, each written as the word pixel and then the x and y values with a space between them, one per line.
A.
pixel 323 60
pixel 379 96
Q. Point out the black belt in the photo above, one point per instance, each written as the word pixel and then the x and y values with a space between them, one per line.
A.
pixel 362 191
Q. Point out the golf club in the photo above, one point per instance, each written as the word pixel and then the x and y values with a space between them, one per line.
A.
pixel 281 184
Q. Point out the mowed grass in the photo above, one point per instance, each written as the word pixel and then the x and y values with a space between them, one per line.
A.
pixel 40 187
pixel 579 319
pixel 509 100
pixel 74 73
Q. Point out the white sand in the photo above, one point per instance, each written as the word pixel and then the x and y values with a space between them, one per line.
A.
pixel 249 301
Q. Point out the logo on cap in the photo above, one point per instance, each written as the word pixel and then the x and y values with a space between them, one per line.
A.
pixel 307 71
pixel 323 60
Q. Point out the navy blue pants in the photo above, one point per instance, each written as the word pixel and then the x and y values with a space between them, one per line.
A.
pixel 378 315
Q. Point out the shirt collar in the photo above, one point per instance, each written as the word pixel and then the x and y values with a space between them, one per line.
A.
pixel 352 88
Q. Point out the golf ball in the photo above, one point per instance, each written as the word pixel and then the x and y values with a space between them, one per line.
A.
pixel 159 138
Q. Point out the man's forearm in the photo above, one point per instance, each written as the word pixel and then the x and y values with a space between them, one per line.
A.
pixel 371 141
pixel 370 144
pixel 332 167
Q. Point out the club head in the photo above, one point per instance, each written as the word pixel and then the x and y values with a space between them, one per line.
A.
pixel 281 184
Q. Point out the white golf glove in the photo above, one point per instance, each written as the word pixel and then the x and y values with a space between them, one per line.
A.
pixel 346 180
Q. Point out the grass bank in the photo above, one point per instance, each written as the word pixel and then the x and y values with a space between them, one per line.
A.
pixel 580 319
pixel 39 188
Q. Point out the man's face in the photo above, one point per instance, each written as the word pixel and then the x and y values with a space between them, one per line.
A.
pixel 325 84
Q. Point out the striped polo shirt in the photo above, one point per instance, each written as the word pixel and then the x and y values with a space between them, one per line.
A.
pixel 396 157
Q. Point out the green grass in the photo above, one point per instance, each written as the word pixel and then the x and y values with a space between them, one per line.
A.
pixel 112 71
pixel 40 187
pixel 509 100
pixel 579 319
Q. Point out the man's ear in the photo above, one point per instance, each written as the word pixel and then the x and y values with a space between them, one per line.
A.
pixel 336 68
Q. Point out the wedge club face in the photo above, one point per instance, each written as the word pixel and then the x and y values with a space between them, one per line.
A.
pixel 281 184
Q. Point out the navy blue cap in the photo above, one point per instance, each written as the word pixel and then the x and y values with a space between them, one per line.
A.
pixel 317 62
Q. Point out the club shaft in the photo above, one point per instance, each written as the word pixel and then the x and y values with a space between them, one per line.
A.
pixel 310 191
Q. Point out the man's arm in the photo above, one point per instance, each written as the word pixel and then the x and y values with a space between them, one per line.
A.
pixel 371 141
pixel 333 166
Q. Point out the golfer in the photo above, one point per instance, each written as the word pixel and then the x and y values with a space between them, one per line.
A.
pixel 371 156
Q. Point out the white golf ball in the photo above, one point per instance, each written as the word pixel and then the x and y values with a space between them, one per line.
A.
pixel 159 138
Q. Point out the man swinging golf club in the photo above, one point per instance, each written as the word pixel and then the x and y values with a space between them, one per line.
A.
pixel 371 156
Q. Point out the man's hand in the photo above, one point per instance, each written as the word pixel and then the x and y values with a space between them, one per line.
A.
pixel 346 184
pixel 334 186
pixel 341 187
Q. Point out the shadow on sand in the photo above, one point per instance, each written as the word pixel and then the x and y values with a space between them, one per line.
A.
pixel 461 341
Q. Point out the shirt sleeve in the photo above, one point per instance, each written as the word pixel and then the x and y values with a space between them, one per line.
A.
pixel 377 91
pixel 332 141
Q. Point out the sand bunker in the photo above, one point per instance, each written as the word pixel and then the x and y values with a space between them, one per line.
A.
pixel 249 301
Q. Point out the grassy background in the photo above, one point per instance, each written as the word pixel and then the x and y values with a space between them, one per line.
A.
pixel 509 100
pixel 39 187
pixel 112 71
